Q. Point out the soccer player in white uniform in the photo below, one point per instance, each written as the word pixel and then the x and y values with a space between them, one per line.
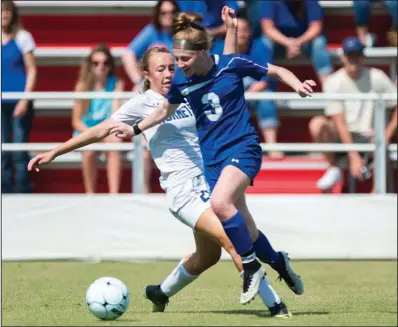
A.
pixel 175 149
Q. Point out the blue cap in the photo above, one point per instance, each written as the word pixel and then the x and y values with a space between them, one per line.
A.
pixel 352 45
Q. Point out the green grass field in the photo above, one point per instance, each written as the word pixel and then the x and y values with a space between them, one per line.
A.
pixel 337 293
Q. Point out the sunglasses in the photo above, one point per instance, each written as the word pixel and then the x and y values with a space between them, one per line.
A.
pixel 165 13
pixel 98 63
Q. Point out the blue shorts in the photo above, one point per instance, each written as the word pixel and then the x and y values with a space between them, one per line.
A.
pixel 248 160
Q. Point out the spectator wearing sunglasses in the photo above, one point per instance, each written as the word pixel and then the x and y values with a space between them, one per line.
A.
pixel 97 74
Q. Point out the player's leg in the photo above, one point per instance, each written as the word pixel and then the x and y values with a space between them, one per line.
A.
pixel 231 184
pixel 279 261
pixel 207 254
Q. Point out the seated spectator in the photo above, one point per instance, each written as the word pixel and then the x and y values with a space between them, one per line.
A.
pixel 19 74
pixel 253 12
pixel 362 14
pixel 350 121
pixel 158 33
pixel 210 11
pixel 97 73
pixel 265 109
pixel 292 26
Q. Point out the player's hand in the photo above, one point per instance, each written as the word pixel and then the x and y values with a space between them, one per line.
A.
pixel 228 16
pixel 41 159
pixel 122 130
pixel 305 89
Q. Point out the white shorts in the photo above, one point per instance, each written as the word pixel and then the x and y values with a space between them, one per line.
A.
pixel 188 200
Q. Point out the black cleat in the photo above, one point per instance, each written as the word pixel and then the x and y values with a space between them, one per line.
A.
pixel 287 273
pixel 159 300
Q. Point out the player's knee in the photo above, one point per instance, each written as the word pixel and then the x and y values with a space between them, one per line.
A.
pixel 221 208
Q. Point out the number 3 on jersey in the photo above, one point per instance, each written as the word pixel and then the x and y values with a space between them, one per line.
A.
pixel 215 113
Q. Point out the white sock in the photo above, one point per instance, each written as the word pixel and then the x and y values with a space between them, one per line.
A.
pixel 177 280
pixel 268 294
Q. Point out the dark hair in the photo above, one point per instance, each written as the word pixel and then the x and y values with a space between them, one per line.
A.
pixel 85 75
pixel 145 62
pixel 242 14
pixel 186 27
pixel 156 12
pixel 15 24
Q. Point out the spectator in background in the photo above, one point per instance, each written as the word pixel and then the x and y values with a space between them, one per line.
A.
pixel 265 109
pixel 362 15
pixel 158 33
pixel 350 121
pixel 210 11
pixel 19 74
pixel 253 11
pixel 97 73
pixel 292 26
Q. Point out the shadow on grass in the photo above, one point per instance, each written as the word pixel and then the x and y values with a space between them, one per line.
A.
pixel 258 313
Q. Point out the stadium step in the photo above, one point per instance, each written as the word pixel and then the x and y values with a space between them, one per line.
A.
pixel 121 29
pixel 290 175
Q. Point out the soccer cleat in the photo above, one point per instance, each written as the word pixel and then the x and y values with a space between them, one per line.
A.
pixel 251 284
pixel 280 311
pixel 287 273
pixel 157 297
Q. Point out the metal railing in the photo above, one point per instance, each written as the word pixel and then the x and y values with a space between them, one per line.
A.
pixel 380 148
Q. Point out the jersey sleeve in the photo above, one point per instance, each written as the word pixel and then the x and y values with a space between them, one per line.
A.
pixel 261 55
pixel 130 112
pixel 25 41
pixel 245 66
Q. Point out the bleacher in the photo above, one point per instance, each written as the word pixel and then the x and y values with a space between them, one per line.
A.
pixel 64 32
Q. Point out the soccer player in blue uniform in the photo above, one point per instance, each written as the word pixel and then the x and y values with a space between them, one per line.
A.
pixel 229 143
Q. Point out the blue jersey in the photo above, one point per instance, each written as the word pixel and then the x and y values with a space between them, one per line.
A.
pixel 223 120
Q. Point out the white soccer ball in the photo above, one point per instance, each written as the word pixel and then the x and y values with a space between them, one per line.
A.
pixel 107 298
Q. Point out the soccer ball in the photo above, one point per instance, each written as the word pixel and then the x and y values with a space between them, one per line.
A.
pixel 107 298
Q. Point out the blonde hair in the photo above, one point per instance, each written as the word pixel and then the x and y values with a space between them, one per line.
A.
pixel 86 77
pixel 145 62
pixel 15 24
pixel 186 27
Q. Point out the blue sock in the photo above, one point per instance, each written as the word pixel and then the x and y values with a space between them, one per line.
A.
pixel 264 250
pixel 237 231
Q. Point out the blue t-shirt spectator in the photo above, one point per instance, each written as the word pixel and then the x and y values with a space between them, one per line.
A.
pixel 283 14
pixel 150 37
pixel 210 10
pixel 13 72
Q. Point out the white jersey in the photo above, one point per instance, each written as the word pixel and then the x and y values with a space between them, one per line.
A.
pixel 174 144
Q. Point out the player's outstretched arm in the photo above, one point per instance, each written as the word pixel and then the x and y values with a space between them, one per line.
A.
pixel 231 22
pixel 163 111
pixel 287 77
pixel 92 135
